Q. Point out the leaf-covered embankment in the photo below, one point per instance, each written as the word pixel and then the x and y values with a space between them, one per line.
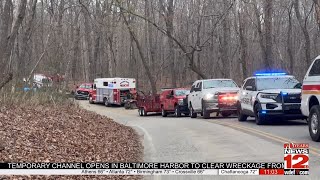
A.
pixel 64 133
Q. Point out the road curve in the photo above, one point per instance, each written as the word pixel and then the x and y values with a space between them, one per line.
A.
pixel 197 140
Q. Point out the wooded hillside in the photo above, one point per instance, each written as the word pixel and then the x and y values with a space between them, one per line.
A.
pixel 158 42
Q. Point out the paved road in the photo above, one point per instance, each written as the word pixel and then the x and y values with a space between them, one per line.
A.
pixel 216 140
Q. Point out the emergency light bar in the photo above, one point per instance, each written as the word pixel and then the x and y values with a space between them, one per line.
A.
pixel 271 74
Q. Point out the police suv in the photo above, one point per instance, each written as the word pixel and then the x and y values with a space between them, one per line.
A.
pixel 270 95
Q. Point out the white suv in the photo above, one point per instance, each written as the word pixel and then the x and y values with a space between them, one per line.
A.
pixel 270 95
pixel 311 98
pixel 213 95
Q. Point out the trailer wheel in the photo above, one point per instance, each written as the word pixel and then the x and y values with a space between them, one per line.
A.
pixel 144 112
pixel 140 112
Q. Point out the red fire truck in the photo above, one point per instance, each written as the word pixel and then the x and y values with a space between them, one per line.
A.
pixel 112 91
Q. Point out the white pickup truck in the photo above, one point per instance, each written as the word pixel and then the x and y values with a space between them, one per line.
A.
pixel 213 95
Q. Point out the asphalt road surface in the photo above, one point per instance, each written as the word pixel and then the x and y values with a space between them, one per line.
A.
pixel 218 139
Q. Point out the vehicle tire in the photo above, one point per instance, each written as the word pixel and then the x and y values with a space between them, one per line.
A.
pixel 177 111
pixel 313 123
pixel 105 102
pixel 131 106
pixel 164 112
pixel 241 117
pixel 91 100
pixel 76 98
pixel 226 114
pixel 260 120
pixel 127 105
pixel 140 112
pixel 192 113
pixel 205 113
pixel 144 112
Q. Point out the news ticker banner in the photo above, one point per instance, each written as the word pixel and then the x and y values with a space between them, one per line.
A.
pixel 152 168
pixel 296 162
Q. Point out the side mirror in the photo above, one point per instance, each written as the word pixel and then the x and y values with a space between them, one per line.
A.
pixel 77 87
pixel 298 86
pixel 249 88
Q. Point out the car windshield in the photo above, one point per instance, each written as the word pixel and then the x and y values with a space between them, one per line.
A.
pixel 85 86
pixel 218 83
pixel 278 83
pixel 181 92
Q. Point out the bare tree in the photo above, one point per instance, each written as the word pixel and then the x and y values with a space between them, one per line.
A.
pixel 268 8
pixel 142 56
pixel 303 26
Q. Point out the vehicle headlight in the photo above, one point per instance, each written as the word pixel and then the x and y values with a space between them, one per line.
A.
pixel 210 97
pixel 180 101
pixel 269 96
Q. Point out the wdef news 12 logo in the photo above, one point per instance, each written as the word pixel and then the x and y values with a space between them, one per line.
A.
pixel 296 159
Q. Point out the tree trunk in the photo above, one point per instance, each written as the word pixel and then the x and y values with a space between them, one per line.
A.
pixel 243 46
pixel 169 15
pixel 317 12
pixel 260 33
pixel 87 29
pixel 21 65
pixel 5 27
pixel 289 40
pixel 304 29
pixel 16 26
pixel 268 9
pixel 225 43
pixel 76 48
pixel 142 56
pixel 6 80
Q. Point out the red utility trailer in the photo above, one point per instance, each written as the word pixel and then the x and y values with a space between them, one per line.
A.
pixel 148 103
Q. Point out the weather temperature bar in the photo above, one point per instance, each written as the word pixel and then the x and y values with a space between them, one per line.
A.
pixel 148 168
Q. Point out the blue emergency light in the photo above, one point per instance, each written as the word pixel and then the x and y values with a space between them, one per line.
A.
pixel 263 112
pixel 271 74
pixel 284 93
